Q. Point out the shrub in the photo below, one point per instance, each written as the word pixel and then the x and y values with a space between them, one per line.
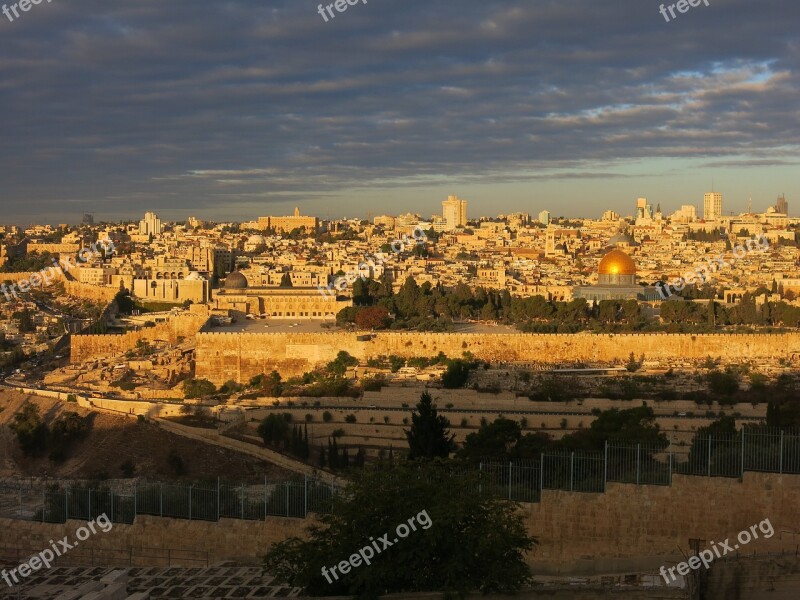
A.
pixel 351 418
pixel 327 417
pixel 197 388
pixel 127 468
pixel 175 462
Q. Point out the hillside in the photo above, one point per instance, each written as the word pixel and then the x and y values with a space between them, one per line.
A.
pixel 112 440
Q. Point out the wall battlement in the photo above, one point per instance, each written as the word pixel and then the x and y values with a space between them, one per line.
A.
pixel 222 356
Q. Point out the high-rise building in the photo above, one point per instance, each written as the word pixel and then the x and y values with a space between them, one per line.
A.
pixel 712 206
pixel 782 205
pixel 454 212
pixel 641 208
pixel 544 217
pixel 150 225
pixel 610 215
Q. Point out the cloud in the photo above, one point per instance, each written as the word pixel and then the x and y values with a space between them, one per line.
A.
pixel 205 106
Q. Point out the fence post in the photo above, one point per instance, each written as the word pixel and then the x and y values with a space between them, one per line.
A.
pixel 217 497
pixel 112 505
pixel 605 468
pixel 242 502
pixel 66 502
pixel 742 475
pixel 287 498
pixel 670 462
pixel 90 504
pixel 709 455
pixel 44 503
pixel 305 494
pixel 190 502
pixel 480 479
pixel 638 463
pixel 571 470
pixel 135 500
pixel 509 480
pixel 541 475
pixel 161 498
pixel 780 462
pixel 265 497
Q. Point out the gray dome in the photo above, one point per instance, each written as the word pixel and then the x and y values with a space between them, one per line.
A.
pixel 235 281
pixel 622 238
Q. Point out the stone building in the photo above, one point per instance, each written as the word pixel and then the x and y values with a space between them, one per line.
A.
pixel 192 287
pixel 277 303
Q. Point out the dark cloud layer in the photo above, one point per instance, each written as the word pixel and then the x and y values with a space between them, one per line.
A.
pixel 216 106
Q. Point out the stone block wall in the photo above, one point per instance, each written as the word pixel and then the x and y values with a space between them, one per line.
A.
pixel 84 347
pixel 222 356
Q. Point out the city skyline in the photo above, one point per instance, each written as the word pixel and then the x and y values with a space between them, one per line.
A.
pixel 567 104
pixel 535 213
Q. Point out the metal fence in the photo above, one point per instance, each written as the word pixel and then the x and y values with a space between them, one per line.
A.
pixel 121 501
pixel 752 449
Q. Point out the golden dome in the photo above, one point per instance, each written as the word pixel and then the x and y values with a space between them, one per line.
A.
pixel 616 262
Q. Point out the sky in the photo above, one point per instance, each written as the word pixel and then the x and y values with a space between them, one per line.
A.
pixel 234 109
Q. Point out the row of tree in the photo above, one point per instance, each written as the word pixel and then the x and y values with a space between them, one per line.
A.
pixel 435 307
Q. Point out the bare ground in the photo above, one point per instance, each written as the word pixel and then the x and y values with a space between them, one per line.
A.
pixel 114 439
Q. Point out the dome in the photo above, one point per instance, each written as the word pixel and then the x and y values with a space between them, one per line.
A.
pixel 622 238
pixel 616 262
pixel 235 281
pixel 256 240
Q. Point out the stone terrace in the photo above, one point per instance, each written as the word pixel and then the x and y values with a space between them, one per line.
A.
pixel 225 580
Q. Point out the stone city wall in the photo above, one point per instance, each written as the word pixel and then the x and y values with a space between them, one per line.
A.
pixel 84 347
pixel 223 356
pixel 95 293
pixel 73 288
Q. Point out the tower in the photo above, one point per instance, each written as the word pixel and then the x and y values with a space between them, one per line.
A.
pixel 454 212
pixel 550 242
pixel 712 206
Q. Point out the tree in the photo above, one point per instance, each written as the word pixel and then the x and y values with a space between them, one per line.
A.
pixel 274 429
pixel 338 367
pixel 197 388
pixel 373 317
pixel 464 541
pixel 457 374
pixel 31 432
pixel 492 440
pixel 64 431
pixel 614 425
pixel 723 383
pixel 429 436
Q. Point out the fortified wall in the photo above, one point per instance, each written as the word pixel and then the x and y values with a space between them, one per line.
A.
pixel 222 356
pixel 84 347
pixel 86 291
pixel 74 288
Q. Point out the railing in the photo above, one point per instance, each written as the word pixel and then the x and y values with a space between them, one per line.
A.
pixel 755 449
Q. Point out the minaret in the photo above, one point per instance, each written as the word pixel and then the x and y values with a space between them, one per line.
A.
pixel 296 211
